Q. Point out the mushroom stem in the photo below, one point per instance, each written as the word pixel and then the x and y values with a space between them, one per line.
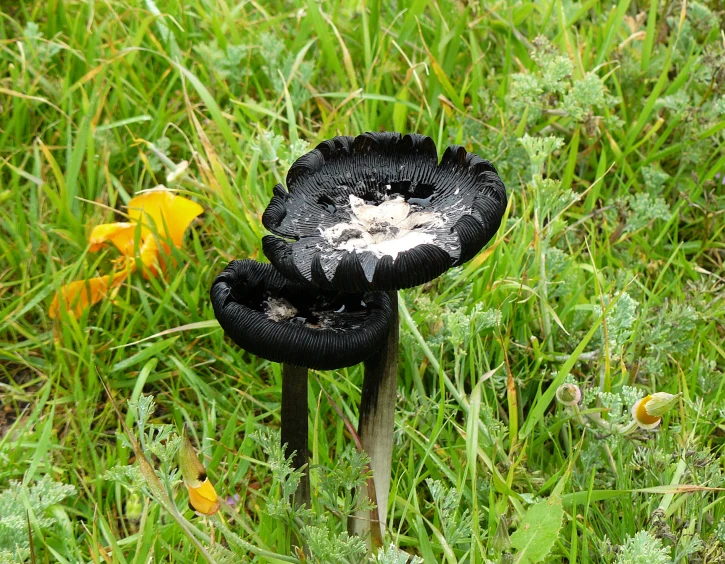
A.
pixel 377 421
pixel 294 425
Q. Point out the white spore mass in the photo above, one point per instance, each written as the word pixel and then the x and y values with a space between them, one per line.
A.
pixel 388 228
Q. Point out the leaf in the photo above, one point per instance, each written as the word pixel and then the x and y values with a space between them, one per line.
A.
pixel 143 355
pixel 538 531
pixel 207 324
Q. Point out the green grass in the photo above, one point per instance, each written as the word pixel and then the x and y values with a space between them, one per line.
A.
pixel 239 89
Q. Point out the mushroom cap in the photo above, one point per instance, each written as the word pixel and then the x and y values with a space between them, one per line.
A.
pixel 379 212
pixel 276 319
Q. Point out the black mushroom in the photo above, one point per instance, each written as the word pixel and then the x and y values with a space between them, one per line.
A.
pixel 278 320
pixel 380 212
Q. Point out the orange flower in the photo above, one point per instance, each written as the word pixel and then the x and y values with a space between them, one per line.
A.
pixel 647 412
pixel 202 495
pixel 158 212
pixel 77 296
pixel 643 419
pixel 203 498
pixel 115 232
pixel 168 213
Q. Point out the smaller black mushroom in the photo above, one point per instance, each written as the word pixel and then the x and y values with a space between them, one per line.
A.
pixel 276 319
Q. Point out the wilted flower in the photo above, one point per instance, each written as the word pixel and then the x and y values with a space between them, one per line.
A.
pixel 79 295
pixel 568 394
pixel 202 495
pixel 156 212
pixel 648 411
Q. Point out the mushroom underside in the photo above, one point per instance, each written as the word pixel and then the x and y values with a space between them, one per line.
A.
pixel 271 317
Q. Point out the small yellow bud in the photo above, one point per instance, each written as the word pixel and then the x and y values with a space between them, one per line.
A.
pixel 202 496
pixel 568 394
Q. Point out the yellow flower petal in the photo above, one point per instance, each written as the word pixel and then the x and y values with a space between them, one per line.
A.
pixel 148 251
pixel 640 415
pixel 125 240
pixel 106 232
pixel 203 498
pixel 149 255
pixel 77 296
pixel 168 213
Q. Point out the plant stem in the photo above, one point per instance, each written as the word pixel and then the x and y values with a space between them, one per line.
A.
pixel 582 419
pixel 294 425
pixel 543 291
pixel 377 420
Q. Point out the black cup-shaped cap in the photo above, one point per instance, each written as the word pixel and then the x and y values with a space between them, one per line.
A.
pixel 267 315
pixel 379 212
